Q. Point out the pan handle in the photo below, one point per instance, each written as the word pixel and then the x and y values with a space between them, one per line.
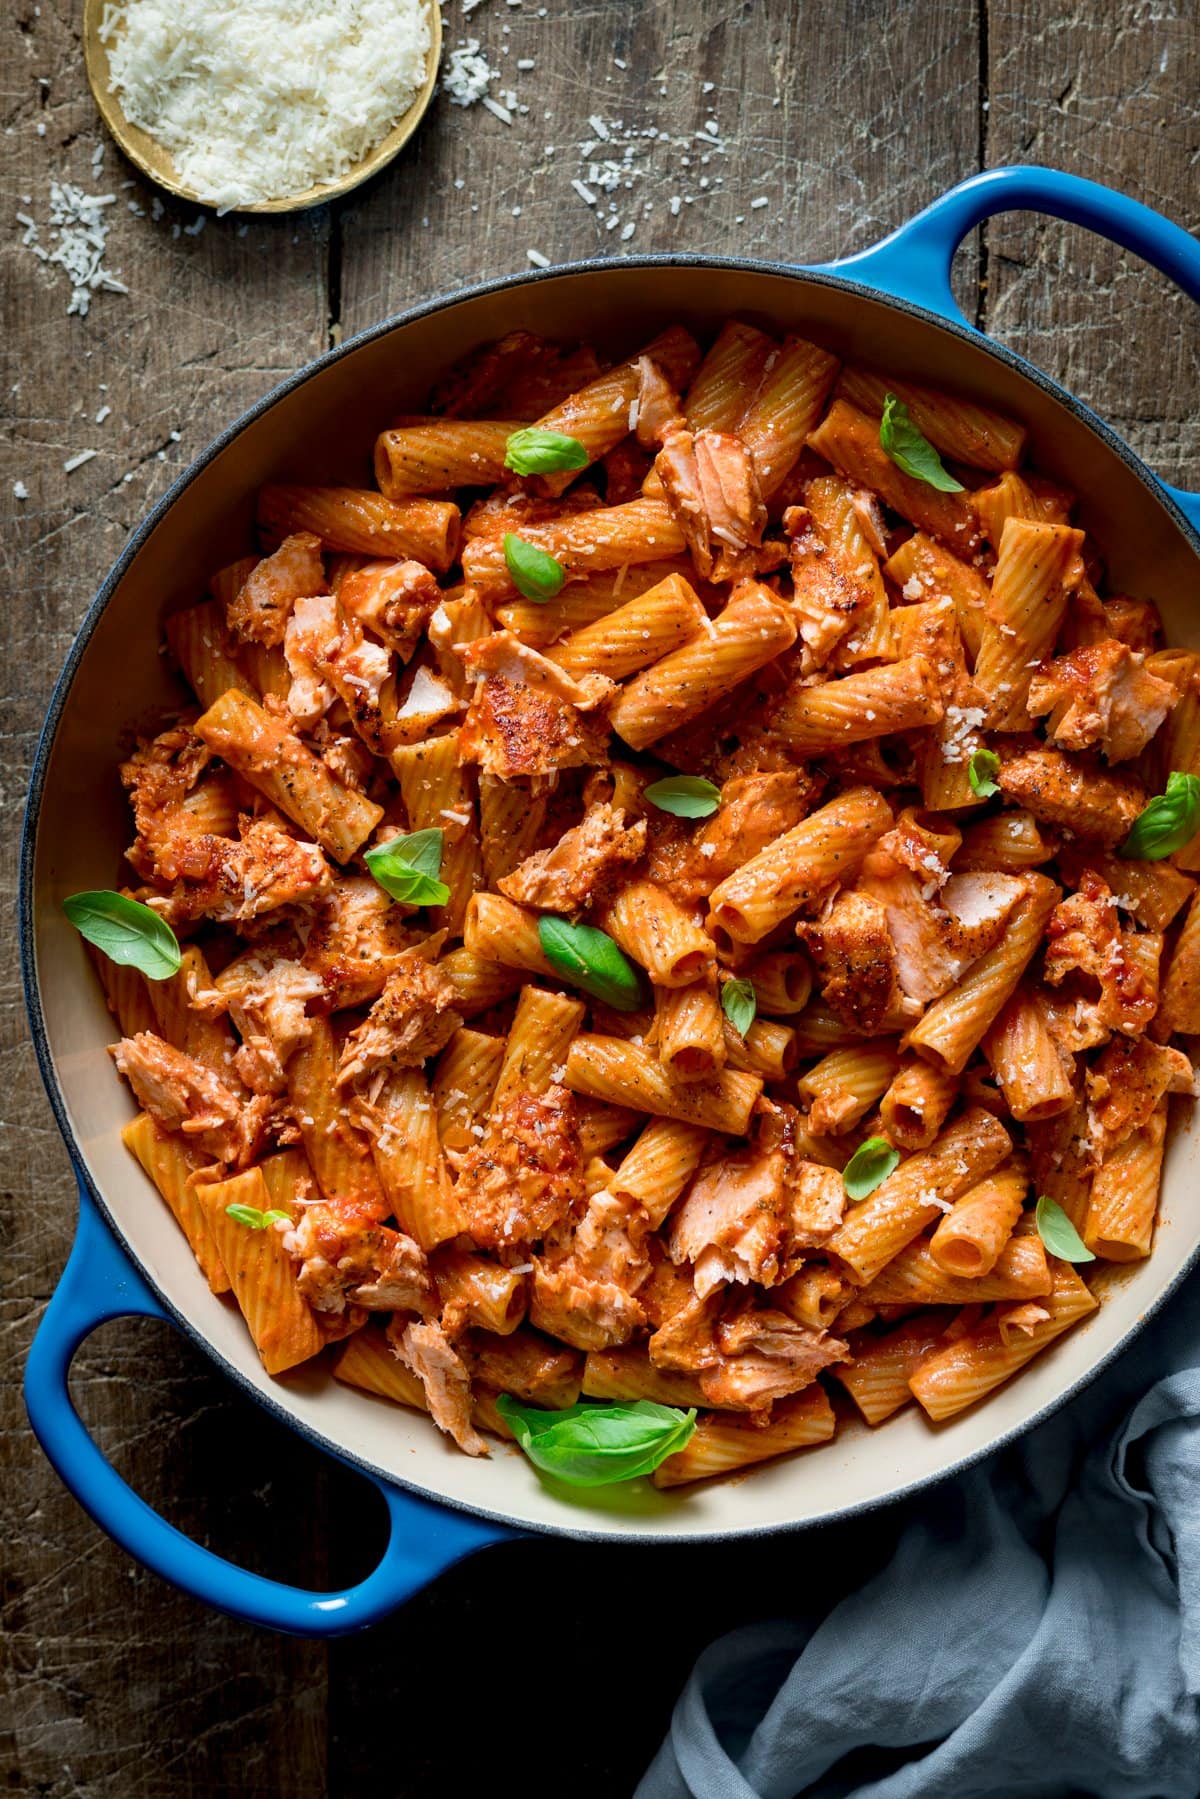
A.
pixel 914 262
pixel 99 1283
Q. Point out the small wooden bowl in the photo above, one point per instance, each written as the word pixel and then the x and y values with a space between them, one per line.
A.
pixel 147 154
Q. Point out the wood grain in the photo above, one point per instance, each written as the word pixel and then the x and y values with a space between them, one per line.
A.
pixel 846 115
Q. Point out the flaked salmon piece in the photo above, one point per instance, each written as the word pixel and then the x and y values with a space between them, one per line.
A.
pixel 172 841
pixel 1101 696
pixel 829 595
pixel 240 880
pixel 349 1261
pixel 515 510
pixel 267 996
pixel 183 1095
pixel 909 845
pixel 1084 940
pixel 585 1294
pixel 423 701
pixel 528 716
pixel 730 1223
pixel 394 600
pixel 162 771
pixel 766 1355
pixel 855 959
pixel 869 513
pixel 503 654
pixel 329 657
pixel 925 966
pixel 712 489
pixel 525 1364
pixel 259 611
pixel 938 924
pixel 412 1019
pixel 686 1339
pixel 581 866
pixel 274 869
pixel 527 1174
pixel 426 1349
pixel 357 939
pixel 346 757
pixel 569 1303
pixel 1075 793
pixel 666 1287
pixel 657 410
pixel 512 730
pixel 311 630
pixel 975 908
pixel 1125 1084
pixel 1136 623
pixel 816 1202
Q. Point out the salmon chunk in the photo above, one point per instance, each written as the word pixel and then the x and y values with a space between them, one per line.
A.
pixel 259 611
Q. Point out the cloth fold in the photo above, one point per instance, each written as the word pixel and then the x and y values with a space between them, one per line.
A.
pixel 1035 1633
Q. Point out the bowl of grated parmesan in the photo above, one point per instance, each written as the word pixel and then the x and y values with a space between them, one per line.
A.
pixel 261 105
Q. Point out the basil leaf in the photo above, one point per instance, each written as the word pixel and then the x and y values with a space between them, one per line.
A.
pixel 595 1445
pixel 534 452
pixel 684 796
pixel 126 932
pixel 1058 1233
pixel 982 770
pixel 589 959
pixel 1168 822
pixel 407 868
pixel 250 1216
pixel 275 1216
pixel 869 1167
pixel 910 450
pixel 536 575
pixel 739 1002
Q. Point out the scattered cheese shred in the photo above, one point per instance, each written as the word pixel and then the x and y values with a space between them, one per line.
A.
pixel 79 223
pixel 466 74
pixel 266 98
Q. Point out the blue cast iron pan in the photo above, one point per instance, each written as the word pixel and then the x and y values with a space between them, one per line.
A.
pixel 899 291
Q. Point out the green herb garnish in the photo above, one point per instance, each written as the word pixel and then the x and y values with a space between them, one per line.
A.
pixel 739 1002
pixel 1168 822
pixel 911 450
pixel 982 770
pixel 589 959
pixel 407 868
pixel 126 932
pixel 535 452
pixel 596 1445
pixel 536 575
pixel 684 796
pixel 1058 1233
pixel 255 1220
pixel 869 1167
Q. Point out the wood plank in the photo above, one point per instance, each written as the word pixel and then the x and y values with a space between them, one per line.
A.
pixel 823 109
pixel 117 1684
pixel 1090 91
pixel 846 116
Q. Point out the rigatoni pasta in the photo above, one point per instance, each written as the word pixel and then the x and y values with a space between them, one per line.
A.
pixel 654 927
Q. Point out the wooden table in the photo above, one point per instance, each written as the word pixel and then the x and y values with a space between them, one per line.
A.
pixel 846 116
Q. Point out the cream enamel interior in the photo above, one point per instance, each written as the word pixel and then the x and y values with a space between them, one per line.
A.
pixel 322 429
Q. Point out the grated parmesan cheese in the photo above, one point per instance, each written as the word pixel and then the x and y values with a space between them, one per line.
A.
pixel 267 98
